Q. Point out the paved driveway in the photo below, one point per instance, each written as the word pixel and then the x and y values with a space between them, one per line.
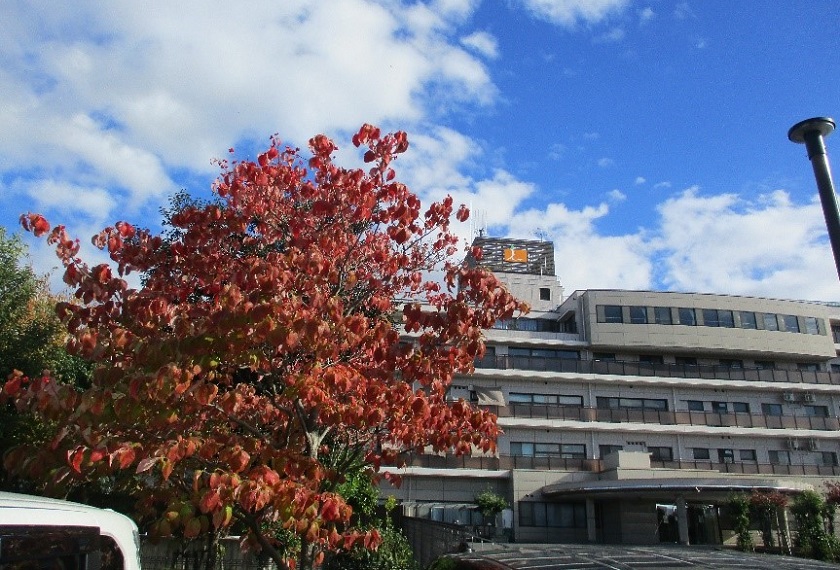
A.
pixel 619 557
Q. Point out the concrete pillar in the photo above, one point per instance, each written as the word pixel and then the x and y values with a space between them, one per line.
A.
pixel 591 531
pixel 682 520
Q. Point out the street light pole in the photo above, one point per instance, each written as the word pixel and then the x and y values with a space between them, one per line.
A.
pixel 812 132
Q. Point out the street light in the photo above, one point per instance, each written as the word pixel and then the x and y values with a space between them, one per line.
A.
pixel 811 132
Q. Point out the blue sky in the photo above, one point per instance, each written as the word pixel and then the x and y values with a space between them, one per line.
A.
pixel 647 139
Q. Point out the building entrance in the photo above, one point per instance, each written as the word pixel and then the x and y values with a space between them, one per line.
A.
pixel 703 525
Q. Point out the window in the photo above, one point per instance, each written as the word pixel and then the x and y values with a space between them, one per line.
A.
pixel 718 318
pixel 695 405
pixel 771 409
pixel 545 399
pixel 740 407
pixel 807 366
pixel 835 332
pixel 638 315
pixel 687 316
pixel 720 407
pixel 686 361
pixel 543 353
pixel 765 364
pixel 609 356
pixel 748 320
pixel 631 403
pixel 731 363
pixel 779 457
pixel 573 451
pixel 612 314
pixel 771 322
pixel 661 453
pixel 651 358
pixel 812 325
pixel 662 315
pixel 564 451
pixel 559 515
pixel 791 323
pixel 520 449
pixel 829 458
pixel 816 411
pixel 545 294
pixel 700 453
pixel 604 450
pixel 747 454
pixel 726 456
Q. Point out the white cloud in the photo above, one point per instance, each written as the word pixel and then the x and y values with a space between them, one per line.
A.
pixel 570 12
pixel 617 195
pixel 483 43
pixel 612 36
pixel 639 180
pixel 721 243
pixel 623 261
pixel 663 184
pixel 117 95
pixel 646 14
pixel 606 162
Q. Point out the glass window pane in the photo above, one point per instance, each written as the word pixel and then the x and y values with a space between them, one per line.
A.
pixel 748 320
pixel 791 323
pixel 638 315
pixel 812 326
pixel 570 400
pixel 517 398
pixel 710 318
pixel 700 453
pixel 687 316
pixel 662 315
pixel 741 407
pixel 612 314
pixel 726 319
pixel 695 405
pixel 771 322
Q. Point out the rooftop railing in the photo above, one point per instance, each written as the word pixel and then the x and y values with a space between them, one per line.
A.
pixel 665 417
pixel 625 368
pixel 555 463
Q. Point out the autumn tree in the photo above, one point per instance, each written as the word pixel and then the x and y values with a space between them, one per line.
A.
pixel 290 316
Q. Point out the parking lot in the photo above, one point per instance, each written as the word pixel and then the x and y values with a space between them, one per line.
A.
pixel 618 557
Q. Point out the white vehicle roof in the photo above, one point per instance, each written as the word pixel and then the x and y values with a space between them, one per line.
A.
pixel 29 510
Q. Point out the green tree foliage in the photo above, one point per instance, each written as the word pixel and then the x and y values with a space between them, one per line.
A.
pixel 31 341
pixel 739 504
pixel 490 504
pixel 811 511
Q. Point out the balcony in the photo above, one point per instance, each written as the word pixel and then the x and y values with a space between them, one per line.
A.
pixel 746 468
pixel 553 463
pixel 664 417
pixel 621 368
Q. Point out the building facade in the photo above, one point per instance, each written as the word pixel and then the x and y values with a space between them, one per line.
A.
pixel 631 416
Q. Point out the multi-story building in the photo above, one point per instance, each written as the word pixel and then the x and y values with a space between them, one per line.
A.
pixel 631 416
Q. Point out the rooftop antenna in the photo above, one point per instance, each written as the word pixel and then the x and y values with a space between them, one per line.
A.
pixel 812 132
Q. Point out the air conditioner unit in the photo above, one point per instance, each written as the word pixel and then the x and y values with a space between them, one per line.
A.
pixel 793 444
pixel 814 444
pixel 789 397
pixel 809 397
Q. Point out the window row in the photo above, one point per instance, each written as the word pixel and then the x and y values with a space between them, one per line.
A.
pixel 558 515
pixel 707 317
pixel 531 325
pixel 776 457
pixel 660 404
pixel 561 450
